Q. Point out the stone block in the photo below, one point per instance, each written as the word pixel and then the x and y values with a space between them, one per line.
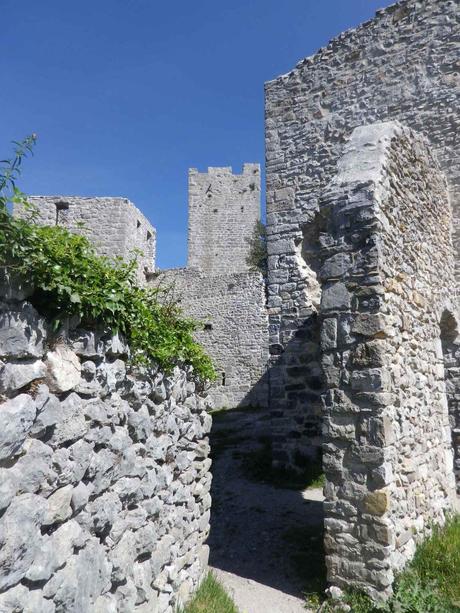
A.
pixel 377 503
pixel 63 369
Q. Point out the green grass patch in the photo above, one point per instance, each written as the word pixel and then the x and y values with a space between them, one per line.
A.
pixel 429 584
pixel 210 598
pixel 258 466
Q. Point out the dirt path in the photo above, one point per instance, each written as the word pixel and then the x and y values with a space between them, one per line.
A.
pixel 264 540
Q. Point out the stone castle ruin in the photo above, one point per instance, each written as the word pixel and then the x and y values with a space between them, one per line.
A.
pixel 352 341
pixel 218 287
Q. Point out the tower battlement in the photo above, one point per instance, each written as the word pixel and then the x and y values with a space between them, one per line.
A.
pixel 224 208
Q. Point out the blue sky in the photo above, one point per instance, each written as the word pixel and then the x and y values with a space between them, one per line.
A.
pixel 126 95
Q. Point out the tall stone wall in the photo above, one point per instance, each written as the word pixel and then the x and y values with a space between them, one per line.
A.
pixel 387 279
pixel 113 225
pixel 235 334
pixel 401 65
pixel 104 475
pixel 223 211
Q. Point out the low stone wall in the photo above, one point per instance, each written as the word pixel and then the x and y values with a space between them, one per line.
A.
pixel 235 334
pixel 387 281
pixel 104 475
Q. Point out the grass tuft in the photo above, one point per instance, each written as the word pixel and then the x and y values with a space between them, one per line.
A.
pixel 438 560
pixel 210 598
pixel 429 584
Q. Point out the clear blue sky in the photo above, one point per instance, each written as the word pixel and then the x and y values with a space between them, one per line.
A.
pixel 126 95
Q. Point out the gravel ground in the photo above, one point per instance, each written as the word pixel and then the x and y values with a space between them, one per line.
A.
pixel 257 538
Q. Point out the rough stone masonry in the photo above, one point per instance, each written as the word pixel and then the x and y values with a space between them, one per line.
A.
pixel 115 227
pixel 387 278
pixel 104 474
pixel 401 65
pixel 363 239
pixel 218 288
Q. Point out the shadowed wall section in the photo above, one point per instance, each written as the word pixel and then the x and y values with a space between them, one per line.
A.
pixel 388 275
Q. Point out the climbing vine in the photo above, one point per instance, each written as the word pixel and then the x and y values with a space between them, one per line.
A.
pixel 70 279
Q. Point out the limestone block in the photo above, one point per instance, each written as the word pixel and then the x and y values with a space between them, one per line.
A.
pixel 16 419
pixel 329 334
pixel 80 496
pixel 111 374
pixel 16 375
pixel 63 369
pixel 371 380
pixel 335 267
pixel 22 332
pixel 8 487
pixel 377 503
pixel 370 324
pixel 336 297
pixel 72 424
pixel 79 583
pixel 103 511
pixel 88 384
pixel 33 471
pixel 58 506
pixel 49 412
pixel 20 537
pixel 86 344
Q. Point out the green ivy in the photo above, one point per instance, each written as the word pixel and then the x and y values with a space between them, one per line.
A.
pixel 70 279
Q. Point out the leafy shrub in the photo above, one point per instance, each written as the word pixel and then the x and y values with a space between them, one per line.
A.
pixel 257 258
pixel 70 279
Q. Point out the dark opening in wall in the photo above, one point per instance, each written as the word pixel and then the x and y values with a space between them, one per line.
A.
pixel 149 235
pixel 208 326
pixel 223 379
pixel 450 343
pixel 61 205
pixel 138 224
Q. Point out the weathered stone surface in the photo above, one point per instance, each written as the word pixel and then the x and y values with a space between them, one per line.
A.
pixel 310 115
pixel 377 503
pixel 115 226
pixel 92 481
pixel 20 537
pixel 22 332
pixel 16 418
pixel 389 408
pixel 72 424
pixel 63 369
pixel 58 506
pixel 16 375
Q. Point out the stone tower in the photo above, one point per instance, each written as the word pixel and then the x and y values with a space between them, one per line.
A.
pixel 115 226
pixel 223 211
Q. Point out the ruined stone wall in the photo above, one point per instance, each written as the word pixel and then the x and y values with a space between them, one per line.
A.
pixel 104 477
pixel 113 225
pixel 235 334
pixel 401 65
pixel 387 281
pixel 223 211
